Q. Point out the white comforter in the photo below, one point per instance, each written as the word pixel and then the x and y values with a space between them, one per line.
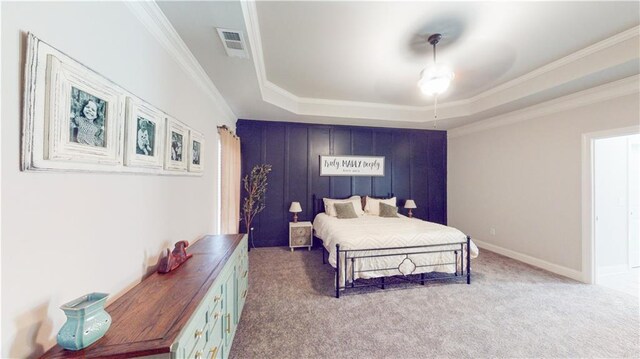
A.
pixel 379 232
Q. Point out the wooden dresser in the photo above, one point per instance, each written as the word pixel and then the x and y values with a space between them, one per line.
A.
pixel 190 313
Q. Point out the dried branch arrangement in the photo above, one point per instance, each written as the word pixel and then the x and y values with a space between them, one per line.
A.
pixel 255 185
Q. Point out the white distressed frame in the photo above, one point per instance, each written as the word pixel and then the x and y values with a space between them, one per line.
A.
pixel 138 108
pixel 176 126
pixel 49 76
pixel 37 155
pixel 61 78
pixel 196 136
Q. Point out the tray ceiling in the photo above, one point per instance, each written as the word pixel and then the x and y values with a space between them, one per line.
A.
pixel 359 62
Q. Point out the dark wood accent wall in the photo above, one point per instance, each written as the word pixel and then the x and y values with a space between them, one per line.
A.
pixel 415 168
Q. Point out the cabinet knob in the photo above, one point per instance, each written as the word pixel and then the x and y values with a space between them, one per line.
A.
pixel 245 274
pixel 199 333
pixel 198 354
pixel 216 315
pixel 216 299
pixel 244 294
pixel 213 352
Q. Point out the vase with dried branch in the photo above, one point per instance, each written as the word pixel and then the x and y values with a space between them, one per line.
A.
pixel 255 186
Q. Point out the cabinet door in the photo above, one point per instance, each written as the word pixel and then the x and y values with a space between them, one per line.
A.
pixel 236 306
pixel 243 274
pixel 218 351
pixel 230 307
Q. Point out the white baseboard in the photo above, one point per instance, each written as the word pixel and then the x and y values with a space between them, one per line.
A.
pixel 536 262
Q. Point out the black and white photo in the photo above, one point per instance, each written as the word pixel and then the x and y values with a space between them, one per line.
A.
pixel 176 146
pixel 196 153
pixel 145 137
pixel 196 148
pixel 87 118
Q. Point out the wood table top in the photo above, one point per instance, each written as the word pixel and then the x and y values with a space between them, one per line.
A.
pixel 148 318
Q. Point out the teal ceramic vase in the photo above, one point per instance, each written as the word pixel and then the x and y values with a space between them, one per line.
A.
pixel 87 321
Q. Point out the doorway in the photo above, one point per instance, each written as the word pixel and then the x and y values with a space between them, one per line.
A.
pixel 616 182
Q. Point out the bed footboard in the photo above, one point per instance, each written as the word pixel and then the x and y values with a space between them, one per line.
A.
pixel 408 270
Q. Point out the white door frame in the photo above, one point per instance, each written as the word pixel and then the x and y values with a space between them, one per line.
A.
pixel 589 264
pixel 630 258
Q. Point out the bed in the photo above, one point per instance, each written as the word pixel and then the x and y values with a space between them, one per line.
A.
pixel 369 249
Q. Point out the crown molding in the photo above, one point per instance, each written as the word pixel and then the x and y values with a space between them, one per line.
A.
pixel 150 15
pixel 624 87
pixel 536 81
pixel 567 60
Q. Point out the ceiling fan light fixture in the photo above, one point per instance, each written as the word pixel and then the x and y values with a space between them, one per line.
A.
pixel 435 80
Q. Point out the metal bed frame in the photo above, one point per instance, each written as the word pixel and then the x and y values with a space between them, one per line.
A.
pixel 344 257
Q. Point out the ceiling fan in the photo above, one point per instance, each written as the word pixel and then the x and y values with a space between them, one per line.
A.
pixel 435 79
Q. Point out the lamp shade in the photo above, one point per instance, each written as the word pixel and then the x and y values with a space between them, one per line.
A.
pixel 410 204
pixel 295 207
pixel 435 80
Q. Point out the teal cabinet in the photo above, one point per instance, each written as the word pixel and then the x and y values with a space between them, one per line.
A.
pixel 211 329
pixel 192 312
pixel 229 307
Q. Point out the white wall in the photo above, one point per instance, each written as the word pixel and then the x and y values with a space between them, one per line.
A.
pixel 64 235
pixel 611 201
pixel 524 180
pixel 634 201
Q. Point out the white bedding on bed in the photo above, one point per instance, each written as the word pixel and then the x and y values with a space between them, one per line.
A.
pixel 379 232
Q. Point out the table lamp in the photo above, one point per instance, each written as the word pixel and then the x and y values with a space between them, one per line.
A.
pixel 410 204
pixel 295 209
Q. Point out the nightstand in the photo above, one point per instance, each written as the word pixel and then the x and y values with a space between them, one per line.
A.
pixel 300 235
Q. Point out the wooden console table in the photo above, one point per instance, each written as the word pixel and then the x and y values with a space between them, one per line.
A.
pixel 189 313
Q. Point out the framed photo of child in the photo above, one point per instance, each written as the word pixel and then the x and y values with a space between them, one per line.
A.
pixel 144 139
pixel 177 138
pixel 196 152
pixel 87 115
pixel 74 118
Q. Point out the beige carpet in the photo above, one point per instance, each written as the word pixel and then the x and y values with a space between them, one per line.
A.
pixel 509 310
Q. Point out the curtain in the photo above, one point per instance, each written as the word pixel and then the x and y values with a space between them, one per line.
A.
pixel 230 181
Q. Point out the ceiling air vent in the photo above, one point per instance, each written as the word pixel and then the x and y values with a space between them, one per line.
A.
pixel 233 42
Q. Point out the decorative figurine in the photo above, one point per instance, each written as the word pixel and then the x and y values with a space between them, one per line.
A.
pixel 87 321
pixel 174 258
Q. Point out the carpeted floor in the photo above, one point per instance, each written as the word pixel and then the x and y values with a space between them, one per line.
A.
pixel 510 310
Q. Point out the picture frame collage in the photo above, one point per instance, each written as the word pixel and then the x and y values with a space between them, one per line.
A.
pixel 76 120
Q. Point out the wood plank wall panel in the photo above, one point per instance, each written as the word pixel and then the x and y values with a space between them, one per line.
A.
pixel 319 144
pixel 252 149
pixel 362 144
pixel 401 174
pixel 341 145
pixel 275 155
pixel 419 171
pixel 297 171
pixel 383 146
pixel 415 168
pixel 437 189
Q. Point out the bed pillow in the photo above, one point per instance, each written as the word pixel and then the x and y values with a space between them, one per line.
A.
pixel 345 210
pixel 373 205
pixel 354 200
pixel 388 211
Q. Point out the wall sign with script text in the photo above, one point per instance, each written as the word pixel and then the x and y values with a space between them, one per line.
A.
pixel 351 166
